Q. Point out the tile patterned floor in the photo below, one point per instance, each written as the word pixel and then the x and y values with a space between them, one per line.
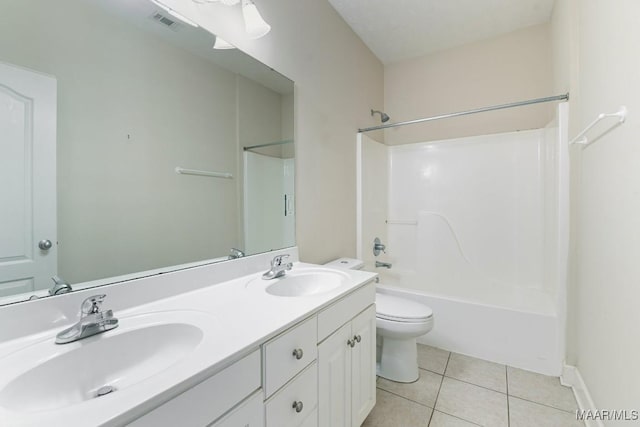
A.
pixel 461 391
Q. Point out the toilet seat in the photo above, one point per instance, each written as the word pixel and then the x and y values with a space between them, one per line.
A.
pixel 401 310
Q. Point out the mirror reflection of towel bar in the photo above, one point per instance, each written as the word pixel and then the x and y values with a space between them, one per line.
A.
pixel 183 171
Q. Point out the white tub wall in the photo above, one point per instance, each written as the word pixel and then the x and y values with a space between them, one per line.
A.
pixel 489 189
pixel 522 326
pixel 374 198
pixel 515 338
pixel 556 217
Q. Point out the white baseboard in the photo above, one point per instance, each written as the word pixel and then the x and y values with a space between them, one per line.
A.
pixel 571 377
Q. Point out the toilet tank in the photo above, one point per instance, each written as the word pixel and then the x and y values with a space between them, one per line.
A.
pixel 346 263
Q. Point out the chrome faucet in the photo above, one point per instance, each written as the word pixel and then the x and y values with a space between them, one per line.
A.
pixel 236 253
pixel 278 267
pixel 60 286
pixel 92 321
pixel 383 264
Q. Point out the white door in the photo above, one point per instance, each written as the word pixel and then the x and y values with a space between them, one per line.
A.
pixel 334 379
pixel 363 365
pixel 28 180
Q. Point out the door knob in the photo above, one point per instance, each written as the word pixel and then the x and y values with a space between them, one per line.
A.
pixel 297 405
pixel 45 245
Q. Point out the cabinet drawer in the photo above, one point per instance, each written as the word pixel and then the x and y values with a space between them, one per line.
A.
pixel 289 353
pixel 210 399
pixel 304 388
pixel 249 414
pixel 336 315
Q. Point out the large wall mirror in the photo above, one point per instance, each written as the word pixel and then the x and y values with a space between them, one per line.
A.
pixel 129 147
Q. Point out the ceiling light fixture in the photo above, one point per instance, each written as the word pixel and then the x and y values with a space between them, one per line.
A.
pixel 222 44
pixel 175 14
pixel 255 26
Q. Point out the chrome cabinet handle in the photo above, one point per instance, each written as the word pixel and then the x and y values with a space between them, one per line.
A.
pixel 351 343
pixel 297 353
pixel 357 338
pixel 45 245
pixel 297 405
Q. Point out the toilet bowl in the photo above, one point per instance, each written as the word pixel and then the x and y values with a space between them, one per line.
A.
pixel 399 322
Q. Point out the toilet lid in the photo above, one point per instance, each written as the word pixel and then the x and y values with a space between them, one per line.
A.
pixel 401 309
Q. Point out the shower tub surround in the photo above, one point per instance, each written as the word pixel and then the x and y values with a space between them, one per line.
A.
pixel 228 302
pixel 476 228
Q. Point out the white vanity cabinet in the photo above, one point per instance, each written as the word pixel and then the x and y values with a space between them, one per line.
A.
pixel 337 389
pixel 319 372
pixel 346 364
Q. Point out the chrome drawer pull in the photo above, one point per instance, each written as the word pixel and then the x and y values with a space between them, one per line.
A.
pixel 297 405
pixel 297 353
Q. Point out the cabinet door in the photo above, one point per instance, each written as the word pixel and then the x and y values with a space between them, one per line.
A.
pixel 334 379
pixel 363 365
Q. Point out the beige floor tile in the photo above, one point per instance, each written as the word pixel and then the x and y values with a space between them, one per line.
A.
pixel 523 413
pixel 424 391
pixel 432 358
pixel 440 419
pixel 394 411
pixel 540 389
pixel 478 372
pixel 473 403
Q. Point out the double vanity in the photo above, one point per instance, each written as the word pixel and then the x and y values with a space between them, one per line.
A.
pixel 213 345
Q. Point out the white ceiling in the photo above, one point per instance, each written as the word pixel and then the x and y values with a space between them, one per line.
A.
pixel 401 29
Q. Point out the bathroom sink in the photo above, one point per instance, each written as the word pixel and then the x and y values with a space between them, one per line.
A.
pixel 49 376
pixel 301 283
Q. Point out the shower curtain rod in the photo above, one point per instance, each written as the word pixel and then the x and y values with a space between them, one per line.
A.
pixel 564 97
pixel 270 144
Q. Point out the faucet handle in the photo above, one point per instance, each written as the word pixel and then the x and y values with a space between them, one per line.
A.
pixel 92 305
pixel 277 260
pixel 378 247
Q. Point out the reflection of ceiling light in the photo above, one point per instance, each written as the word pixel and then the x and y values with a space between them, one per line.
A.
pixel 222 44
pixel 175 14
pixel 256 26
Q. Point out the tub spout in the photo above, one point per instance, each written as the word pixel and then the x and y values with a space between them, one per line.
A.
pixel 383 264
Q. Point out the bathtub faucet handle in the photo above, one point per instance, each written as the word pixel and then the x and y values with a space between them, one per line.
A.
pixel 378 247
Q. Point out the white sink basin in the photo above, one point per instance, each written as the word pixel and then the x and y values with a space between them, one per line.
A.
pixel 302 283
pixel 49 376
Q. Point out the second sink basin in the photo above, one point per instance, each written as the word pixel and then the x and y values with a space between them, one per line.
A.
pixel 57 376
pixel 301 283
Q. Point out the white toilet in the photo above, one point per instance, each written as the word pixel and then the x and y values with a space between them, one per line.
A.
pixel 399 322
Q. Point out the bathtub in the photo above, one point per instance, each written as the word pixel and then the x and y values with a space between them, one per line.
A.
pixel 528 336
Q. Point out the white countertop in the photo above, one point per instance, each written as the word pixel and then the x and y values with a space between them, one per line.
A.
pixel 242 317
